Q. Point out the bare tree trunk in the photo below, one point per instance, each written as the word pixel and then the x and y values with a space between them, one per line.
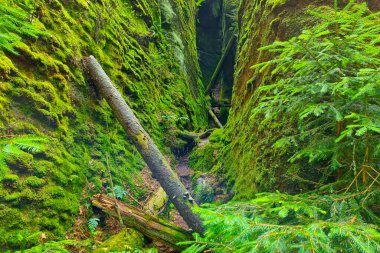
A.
pixel 151 154
pixel 147 224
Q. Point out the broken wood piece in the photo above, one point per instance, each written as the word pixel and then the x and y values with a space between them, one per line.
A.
pixel 147 224
pixel 157 201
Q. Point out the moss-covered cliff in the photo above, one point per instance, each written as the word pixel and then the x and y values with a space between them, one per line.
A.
pixel 246 150
pixel 55 132
pixel 260 166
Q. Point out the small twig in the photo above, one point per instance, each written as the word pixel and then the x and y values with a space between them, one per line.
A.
pixel 134 199
pixel 375 179
pixel 8 135
pixel 354 180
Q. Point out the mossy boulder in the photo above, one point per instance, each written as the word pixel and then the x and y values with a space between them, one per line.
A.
pixel 126 240
pixel 204 190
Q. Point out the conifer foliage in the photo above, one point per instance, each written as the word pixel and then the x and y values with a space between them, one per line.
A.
pixel 275 222
pixel 328 80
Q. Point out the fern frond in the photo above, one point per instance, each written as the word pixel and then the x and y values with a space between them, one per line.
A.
pixel 18 146
pixel 14 25
pixel 31 144
pixel 92 224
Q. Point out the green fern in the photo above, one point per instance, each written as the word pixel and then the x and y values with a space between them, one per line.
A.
pixel 17 146
pixel 120 192
pixel 14 26
pixel 92 224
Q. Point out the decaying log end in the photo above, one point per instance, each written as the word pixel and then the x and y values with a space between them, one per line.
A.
pixel 149 225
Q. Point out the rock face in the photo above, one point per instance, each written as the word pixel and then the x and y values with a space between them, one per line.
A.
pixel 245 152
pixel 209 37
pixel 55 132
pixel 217 23
pixel 261 23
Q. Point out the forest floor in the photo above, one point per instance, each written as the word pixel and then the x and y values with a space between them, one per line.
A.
pixel 111 226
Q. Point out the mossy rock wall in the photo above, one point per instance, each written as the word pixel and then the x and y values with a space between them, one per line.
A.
pixel 259 167
pixel 44 92
pixel 251 162
pixel 209 37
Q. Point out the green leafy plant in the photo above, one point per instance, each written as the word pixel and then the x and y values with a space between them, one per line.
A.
pixel 92 224
pixel 53 246
pixel 19 146
pixel 174 119
pixel 14 25
pixel 275 222
pixel 24 237
pixel 328 81
pixel 120 192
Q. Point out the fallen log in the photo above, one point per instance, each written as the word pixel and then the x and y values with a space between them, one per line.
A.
pixel 156 162
pixel 147 224
pixel 221 62
pixel 215 118
pixel 192 135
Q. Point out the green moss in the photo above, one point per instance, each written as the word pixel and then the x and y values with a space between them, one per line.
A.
pixel 208 158
pixel 127 239
pixel 10 217
pixel 13 197
pixel 10 180
pixel 21 162
pixel 6 66
pixel 41 168
pixel 54 191
pixel 34 182
pixel 43 91
pixel 248 157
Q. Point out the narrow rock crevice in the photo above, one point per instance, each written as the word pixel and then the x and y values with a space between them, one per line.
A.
pixel 216 25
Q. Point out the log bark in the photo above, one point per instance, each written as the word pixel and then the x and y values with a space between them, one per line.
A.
pixel 192 135
pixel 147 224
pixel 156 162
pixel 157 202
pixel 216 120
